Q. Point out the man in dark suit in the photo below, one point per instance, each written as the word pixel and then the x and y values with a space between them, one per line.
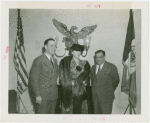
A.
pixel 44 75
pixel 105 79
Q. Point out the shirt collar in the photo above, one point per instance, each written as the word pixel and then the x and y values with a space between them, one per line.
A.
pixel 48 56
pixel 100 65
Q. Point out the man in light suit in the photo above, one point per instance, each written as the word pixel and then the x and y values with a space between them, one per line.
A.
pixel 105 79
pixel 44 75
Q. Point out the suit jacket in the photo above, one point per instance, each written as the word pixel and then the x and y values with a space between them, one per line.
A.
pixel 105 82
pixel 43 77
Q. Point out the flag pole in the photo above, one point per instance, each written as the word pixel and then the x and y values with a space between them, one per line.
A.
pixel 130 109
pixel 130 105
pixel 18 95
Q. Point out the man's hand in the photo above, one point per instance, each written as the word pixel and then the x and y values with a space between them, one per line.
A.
pixel 39 100
pixel 68 110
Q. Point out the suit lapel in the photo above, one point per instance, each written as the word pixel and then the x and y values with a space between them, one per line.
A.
pixel 104 67
pixel 105 70
pixel 102 70
pixel 47 62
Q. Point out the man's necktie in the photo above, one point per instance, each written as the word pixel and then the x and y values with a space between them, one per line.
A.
pixel 99 68
pixel 52 62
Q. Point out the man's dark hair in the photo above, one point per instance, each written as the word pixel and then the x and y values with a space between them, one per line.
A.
pixel 46 41
pixel 100 51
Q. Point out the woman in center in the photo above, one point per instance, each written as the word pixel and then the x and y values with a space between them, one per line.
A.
pixel 74 76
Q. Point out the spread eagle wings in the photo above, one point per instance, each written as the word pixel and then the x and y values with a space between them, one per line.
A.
pixel 62 28
pixel 85 31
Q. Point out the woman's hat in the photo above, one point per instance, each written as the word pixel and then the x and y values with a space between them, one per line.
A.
pixel 77 47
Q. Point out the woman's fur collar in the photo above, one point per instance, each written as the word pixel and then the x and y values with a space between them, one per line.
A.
pixel 65 78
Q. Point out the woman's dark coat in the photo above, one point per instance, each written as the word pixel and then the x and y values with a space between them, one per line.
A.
pixel 65 80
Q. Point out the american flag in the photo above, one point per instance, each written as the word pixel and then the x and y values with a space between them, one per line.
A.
pixel 19 58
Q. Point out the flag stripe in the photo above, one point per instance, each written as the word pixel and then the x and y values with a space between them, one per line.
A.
pixel 20 51
pixel 23 48
pixel 22 67
pixel 21 83
pixel 22 73
pixel 22 55
pixel 20 86
pixel 22 79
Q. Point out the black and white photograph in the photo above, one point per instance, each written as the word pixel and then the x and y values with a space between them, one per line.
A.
pixel 74 61
pixel 53 57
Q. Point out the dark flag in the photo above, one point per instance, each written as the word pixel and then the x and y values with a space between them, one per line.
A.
pixel 129 61
pixel 19 58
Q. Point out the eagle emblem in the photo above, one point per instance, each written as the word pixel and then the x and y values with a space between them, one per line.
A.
pixel 71 37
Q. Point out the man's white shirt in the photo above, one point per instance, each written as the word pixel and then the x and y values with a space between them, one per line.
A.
pixel 99 66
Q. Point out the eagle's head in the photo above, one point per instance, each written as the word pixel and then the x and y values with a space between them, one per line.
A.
pixel 73 28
